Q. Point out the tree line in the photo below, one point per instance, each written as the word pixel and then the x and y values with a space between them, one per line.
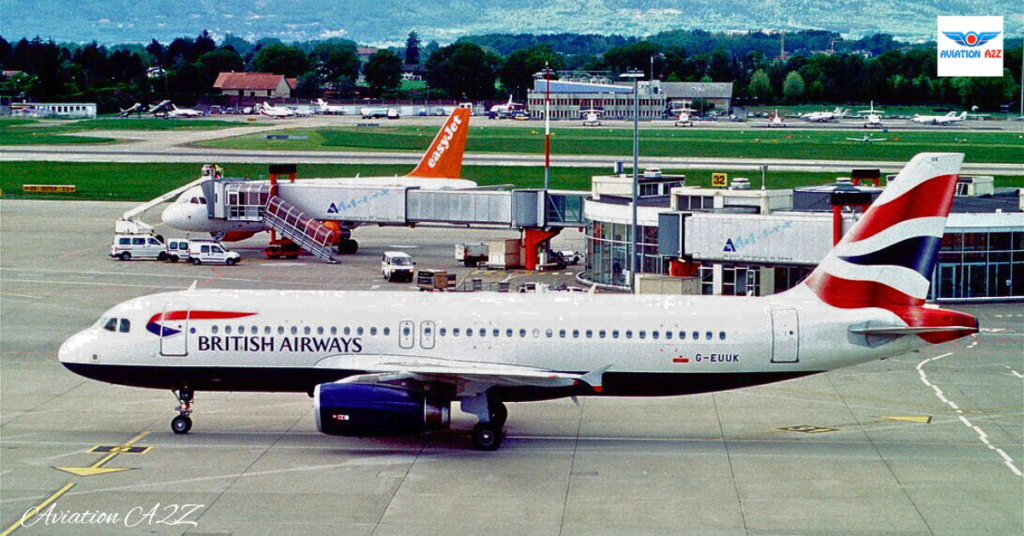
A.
pixel 819 68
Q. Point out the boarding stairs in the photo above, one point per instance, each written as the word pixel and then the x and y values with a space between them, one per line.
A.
pixel 308 233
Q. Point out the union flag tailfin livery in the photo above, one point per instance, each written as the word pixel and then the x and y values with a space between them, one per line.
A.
pixel 395 362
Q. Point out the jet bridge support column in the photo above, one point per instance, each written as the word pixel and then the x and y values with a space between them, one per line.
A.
pixel 533 239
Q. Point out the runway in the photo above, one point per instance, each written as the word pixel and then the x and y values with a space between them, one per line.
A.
pixel 169 146
pixel 928 443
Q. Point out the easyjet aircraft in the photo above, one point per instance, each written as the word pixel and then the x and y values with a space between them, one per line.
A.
pixel 395 361
pixel 439 169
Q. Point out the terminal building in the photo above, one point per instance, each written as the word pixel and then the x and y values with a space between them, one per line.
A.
pixel 570 97
pixel 739 241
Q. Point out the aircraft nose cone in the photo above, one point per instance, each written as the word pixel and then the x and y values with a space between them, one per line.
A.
pixel 76 348
pixel 183 217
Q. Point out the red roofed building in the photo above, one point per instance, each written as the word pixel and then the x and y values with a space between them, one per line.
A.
pixel 254 85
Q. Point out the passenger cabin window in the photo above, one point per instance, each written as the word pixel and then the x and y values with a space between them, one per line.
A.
pixel 280 330
pixel 522 333
pixel 643 334
pixel 696 335
pixel 721 335
pixel 295 330
pixel 708 335
pixel 508 332
pixel 227 330
pixel 387 331
pixel 455 332
pixel 629 334
pixel 334 330
pixel 601 333
pixel 442 332
pixel 214 330
pixel 373 331
pixel 359 331
pixel 254 330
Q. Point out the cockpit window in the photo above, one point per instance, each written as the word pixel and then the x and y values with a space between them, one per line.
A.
pixel 110 325
pixel 126 325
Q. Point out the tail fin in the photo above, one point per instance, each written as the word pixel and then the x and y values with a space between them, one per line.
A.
pixel 443 160
pixel 963 115
pixel 321 103
pixel 887 258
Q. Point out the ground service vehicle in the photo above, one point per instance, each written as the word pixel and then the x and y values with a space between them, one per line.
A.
pixel 177 249
pixel 211 251
pixel 471 254
pixel 396 266
pixel 128 247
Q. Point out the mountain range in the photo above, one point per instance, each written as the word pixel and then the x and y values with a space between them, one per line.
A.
pixel 385 22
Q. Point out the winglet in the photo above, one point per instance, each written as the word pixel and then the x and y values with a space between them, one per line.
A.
pixel 594 378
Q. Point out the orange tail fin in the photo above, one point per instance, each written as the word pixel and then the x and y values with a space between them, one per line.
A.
pixel 443 159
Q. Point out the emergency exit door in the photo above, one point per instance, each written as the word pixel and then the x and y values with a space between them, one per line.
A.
pixel 405 334
pixel 427 334
pixel 172 327
pixel 785 336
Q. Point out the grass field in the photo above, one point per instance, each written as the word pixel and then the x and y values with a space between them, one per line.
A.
pixel 979 147
pixel 141 182
pixel 17 131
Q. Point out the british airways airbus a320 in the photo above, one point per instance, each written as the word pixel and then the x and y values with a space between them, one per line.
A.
pixel 393 362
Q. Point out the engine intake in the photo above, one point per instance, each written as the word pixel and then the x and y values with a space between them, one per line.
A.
pixel 359 409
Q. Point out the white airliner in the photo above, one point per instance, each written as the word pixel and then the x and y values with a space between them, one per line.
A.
pixel 395 361
pixel 330 109
pixel 592 117
pixel 168 109
pixel 947 119
pixel 507 108
pixel 825 117
pixel 276 112
pixel 872 117
pixel 776 121
pixel 684 117
pixel 439 169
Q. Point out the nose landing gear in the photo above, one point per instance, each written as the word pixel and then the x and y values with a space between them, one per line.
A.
pixel 183 423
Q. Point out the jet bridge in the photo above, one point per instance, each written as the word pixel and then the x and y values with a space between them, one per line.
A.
pixel 322 200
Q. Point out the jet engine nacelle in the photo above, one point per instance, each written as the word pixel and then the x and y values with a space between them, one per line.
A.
pixel 358 409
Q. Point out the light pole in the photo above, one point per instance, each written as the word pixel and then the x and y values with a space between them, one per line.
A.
pixel 635 75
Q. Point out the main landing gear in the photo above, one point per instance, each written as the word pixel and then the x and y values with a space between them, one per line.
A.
pixel 488 433
pixel 183 423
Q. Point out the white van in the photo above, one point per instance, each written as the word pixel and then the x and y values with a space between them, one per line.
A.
pixel 177 249
pixel 395 265
pixel 128 247
pixel 212 251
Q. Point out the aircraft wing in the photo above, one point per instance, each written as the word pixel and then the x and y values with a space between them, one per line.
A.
pixel 392 368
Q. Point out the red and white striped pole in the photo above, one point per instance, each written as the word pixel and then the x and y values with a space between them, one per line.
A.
pixel 547 126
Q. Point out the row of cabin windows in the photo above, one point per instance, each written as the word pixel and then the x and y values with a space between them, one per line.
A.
pixel 589 334
pixel 306 330
pixel 457 332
